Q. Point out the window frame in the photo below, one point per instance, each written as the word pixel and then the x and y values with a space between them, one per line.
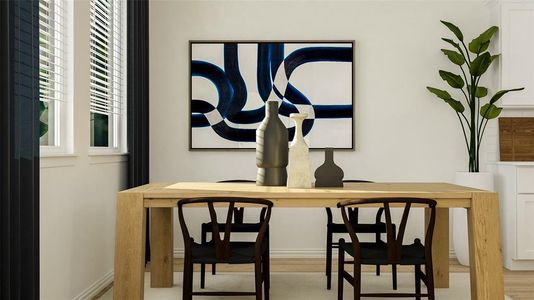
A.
pixel 63 109
pixel 117 126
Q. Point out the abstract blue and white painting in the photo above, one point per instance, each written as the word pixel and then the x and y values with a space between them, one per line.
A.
pixel 231 81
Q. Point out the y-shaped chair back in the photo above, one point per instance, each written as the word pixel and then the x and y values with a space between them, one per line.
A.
pixel 394 243
pixel 222 245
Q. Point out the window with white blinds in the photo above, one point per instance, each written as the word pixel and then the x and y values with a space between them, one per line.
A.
pixel 107 75
pixel 52 61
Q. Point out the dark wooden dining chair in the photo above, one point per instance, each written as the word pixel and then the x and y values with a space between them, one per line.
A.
pixel 238 225
pixel 226 250
pixel 378 228
pixel 391 252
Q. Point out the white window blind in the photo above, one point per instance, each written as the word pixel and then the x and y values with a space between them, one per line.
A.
pixel 106 57
pixel 52 60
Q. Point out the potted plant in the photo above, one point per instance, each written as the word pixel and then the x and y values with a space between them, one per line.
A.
pixel 474 112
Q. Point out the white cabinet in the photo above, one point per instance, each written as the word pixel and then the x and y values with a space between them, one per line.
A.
pixel 515 184
pixel 517 60
pixel 525 226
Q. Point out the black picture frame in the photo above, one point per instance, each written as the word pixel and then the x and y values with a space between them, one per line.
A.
pixel 193 42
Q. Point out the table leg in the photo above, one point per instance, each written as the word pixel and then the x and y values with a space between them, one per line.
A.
pixel 440 247
pixel 129 276
pixel 161 247
pixel 485 253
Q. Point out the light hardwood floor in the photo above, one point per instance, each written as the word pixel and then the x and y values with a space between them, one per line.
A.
pixel 517 285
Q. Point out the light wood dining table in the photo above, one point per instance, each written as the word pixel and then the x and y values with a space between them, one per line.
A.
pixel 486 264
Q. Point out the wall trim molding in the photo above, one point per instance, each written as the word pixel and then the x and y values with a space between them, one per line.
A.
pixel 96 287
pixel 293 253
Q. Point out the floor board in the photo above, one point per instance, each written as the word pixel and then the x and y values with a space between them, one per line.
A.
pixel 519 285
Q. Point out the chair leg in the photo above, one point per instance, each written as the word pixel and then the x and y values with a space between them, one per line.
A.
pixel 258 278
pixel 429 272
pixel 266 275
pixel 394 267
pixel 268 266
pixel 377 238
pixel 394 276
pixel 266 283
pixel 357 280
pixel 329 237
pixel 213 270
pixel 203 266
pixel 340 269
pixel 187 290
pixel 417 282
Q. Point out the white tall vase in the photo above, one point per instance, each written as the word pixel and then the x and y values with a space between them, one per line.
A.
pixel 460 238
pixel 299 175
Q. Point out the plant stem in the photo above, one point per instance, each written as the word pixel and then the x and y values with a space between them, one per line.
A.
pixel 482 135
pixel 473 166
pixel 463 129
pixel 465 78
pixel 467 52
pixel 478 117
pixel 466 120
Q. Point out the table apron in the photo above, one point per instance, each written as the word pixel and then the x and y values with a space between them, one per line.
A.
pixel 308 203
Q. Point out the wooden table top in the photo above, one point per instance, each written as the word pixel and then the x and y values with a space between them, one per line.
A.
pixel 166 195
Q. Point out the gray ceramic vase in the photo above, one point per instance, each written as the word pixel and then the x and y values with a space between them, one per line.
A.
pixel 329 174
pixel 271 148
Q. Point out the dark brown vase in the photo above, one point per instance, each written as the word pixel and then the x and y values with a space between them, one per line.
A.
pixel 329 174
pixel 271 148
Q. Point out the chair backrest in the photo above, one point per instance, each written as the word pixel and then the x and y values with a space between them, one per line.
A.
pixel 353 212
pixel 394 243
pixel 239 212
pixel 222 246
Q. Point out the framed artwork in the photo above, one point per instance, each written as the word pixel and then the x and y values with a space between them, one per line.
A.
pixel 230 81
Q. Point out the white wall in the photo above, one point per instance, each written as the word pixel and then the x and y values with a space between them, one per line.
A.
pixel 403 133
pixel 78 195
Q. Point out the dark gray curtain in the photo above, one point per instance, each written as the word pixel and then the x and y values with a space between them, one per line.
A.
pixel 138 146
pixel 19 149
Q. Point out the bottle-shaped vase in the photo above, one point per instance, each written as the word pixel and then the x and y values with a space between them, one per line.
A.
pixel 299 157
pixel 329 174
pixel 271 148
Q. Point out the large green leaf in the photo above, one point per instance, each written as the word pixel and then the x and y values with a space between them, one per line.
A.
pixel 478 47
pixel 453 43
pixel 42 108
pixel 452 79
pixel 43 128
pixel 457 32
pixel 455 57
pixel 480 64
pixel 490 111
pixel 481 43
pixel 456 105
pixel 499 94
pixel 480 91
pixel 440 93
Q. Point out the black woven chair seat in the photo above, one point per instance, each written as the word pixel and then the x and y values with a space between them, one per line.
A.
pixel 240 253
pixel 392 252
pixel 236 227
pixel 377 253
pixel 222 248
pixel 359 227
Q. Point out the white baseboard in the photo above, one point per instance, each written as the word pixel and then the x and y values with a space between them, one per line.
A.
pixel 96 287
pixel 293 253
pixel 103 282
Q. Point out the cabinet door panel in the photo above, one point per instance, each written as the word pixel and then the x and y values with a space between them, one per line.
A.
pixel 525 180
pixel 517 33
pixel 525 226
